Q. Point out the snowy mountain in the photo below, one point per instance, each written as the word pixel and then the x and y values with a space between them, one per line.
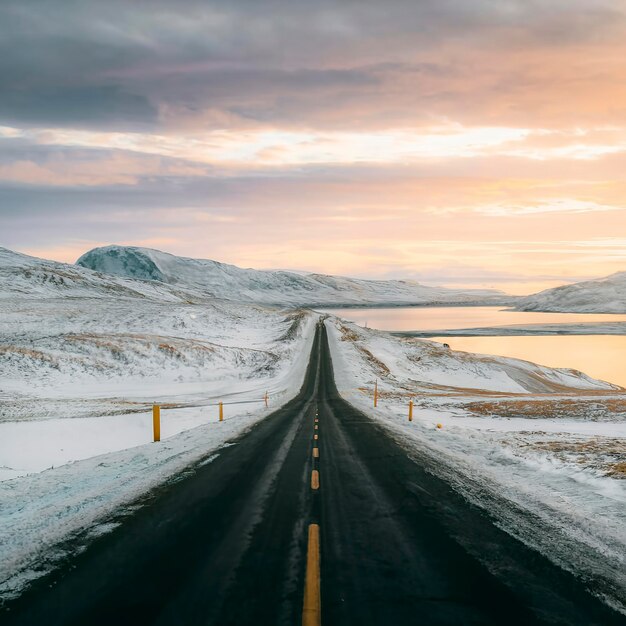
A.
pixel 271 287
pixel 23 276
pixel 606 295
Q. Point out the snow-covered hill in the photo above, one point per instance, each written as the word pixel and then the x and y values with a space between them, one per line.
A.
pixel 420 366
pixel 75 343
pixel 606 295
pixel 23 276
pixel 271 287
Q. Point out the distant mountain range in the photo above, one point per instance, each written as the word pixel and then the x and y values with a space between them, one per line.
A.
pixel 126 271
pixel 283 288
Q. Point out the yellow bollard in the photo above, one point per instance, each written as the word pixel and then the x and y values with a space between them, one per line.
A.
pixel 156 422
pixel 439 426
pixel 221 411
pixel 410 410
pixel 376 394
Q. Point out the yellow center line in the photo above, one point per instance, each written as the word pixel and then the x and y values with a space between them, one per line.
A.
pixel 315 426
pixel 312 607
pixel 315 437
pixel 315 479
pixel 316 420
pixel 316 453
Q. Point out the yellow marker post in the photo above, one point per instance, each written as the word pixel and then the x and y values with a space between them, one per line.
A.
pixel 156 422
pixel 221 411
pixel 376 394
pixel 312 606
pixel 410 410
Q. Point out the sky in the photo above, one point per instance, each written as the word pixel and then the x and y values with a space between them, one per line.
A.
pixel 465 143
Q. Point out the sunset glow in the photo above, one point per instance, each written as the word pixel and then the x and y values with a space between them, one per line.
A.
pixel 474 144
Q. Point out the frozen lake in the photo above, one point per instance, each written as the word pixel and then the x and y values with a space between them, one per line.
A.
pixel 600 356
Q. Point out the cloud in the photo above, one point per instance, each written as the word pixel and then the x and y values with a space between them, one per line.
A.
pixel 351 137
pixel 329 65
pixel 100 105
pixel 560 205
pixel 25 163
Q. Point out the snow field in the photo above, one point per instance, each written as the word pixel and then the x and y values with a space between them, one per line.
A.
pixel 50 511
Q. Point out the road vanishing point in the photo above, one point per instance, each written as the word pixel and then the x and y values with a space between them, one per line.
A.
pixel 314 516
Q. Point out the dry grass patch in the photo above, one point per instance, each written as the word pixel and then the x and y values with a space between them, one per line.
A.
pixel 588 409
pixel 348 334
pixel 617 470
pixel 604 454
pixel 28 353
pixel 377 363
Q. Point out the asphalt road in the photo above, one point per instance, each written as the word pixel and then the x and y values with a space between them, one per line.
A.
pixel 229 543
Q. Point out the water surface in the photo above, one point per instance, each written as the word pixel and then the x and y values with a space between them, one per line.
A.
pixel 599 356
pixel 455 317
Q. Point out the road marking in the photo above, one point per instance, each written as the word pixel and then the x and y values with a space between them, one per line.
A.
pixel 316 420
pixel 315 479
pixel 312 607
pixel 316 453
pixel 315 437
pixel 315 426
